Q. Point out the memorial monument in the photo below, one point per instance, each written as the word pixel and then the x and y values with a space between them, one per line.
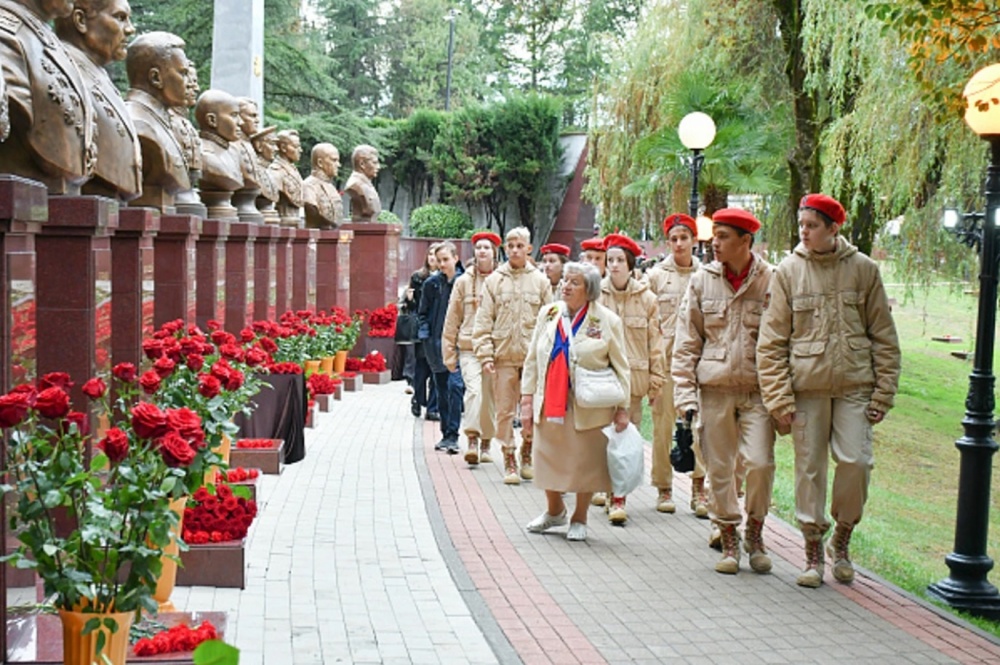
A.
pixel 187 201
pixel 323 206
pixel 287 176
pixel 218 116
pixel 95 34
pixel 245 198
pixel 157 71
pixel 51 135
pixel 265 145
pixel 365 203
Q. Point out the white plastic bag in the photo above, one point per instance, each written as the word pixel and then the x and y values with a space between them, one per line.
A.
pixel 625 458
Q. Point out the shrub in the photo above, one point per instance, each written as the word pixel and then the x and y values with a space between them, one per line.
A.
pixel 388 217
pixel 439 221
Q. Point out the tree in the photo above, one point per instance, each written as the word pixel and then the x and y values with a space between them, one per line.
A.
pixel 353 39
pixel 410 161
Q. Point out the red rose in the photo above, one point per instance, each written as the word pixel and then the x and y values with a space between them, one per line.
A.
pixel 164 366
pixel 55 380
pixel 153 348
pixel 208 385
pixel 221 369
pixel 75 418
pixel 114 445
pixel 268 344
pixel 94 388
pixel 187 423
pixel 144 647
pixel 124 372
pixel 212 324
pixel 190 345
pixel 224 491
pixel 234 380
pixel 256 356
pixel 200 495
pixel 220 337
pixel 230 503
pixel 52 402
pixel 231 352
pixel 247 335
pixel 148 421
pixel 150 382
pixel 195 361
pixel 175 450
pixel 13 408
pixel 210 503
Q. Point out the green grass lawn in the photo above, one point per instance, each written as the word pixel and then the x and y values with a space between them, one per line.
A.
pixel 909 521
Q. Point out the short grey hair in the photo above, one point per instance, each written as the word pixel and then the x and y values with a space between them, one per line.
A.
pixel 591 277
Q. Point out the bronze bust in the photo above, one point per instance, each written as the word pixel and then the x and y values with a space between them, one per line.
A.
pixel 51 137
pixel 265 144
pixel 187 200
pixel 4 112
pixel 365 203
pixel 323 206
pixel 285 173
pixel 244 198
pixel 95 33
pixel 218 116
pixel 157 71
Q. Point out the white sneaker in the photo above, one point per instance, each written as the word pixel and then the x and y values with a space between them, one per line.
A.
pixel 577 531
pixel 544 522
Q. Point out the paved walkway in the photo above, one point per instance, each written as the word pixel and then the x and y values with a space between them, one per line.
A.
pixel 377 549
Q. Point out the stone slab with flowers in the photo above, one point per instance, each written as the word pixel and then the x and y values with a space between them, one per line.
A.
pixel 263 454
pixel 216 523
pixel 353 381
pixel 242 477
pixel 323 389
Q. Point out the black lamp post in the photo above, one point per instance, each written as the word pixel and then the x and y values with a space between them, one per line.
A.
pixel 967 587
pixel 696 131
pixel 450 17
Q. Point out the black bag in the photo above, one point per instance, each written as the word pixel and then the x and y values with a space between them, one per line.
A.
pixel 682 454
pixel 406 328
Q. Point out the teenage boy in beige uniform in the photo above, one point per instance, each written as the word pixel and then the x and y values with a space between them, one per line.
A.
pixel 714 358
pixel 504 324
pixel 829 369
pixel 456 342
pixel 668 280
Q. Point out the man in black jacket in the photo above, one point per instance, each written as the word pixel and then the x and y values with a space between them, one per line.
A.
pixel 433 306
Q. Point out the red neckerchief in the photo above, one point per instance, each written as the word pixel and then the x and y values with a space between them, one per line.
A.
pixel 557 377
pixel 736 281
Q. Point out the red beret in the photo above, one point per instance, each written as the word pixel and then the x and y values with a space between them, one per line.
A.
pixel 618 240
pixel 737 218
pixel 825 205
pixel 486 235
pixel 680 219
pixel 555 248
pixel 596 244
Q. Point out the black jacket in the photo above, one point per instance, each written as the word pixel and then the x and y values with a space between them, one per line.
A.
pixel 433 307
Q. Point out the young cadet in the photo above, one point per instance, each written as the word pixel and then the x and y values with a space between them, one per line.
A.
pixel 715 359
pixel 554 257
pixel 668 280
pixel 829 369
pixel 502 331
pixel 592 251
pixel 477 417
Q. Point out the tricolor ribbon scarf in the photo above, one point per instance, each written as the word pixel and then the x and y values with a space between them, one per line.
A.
pixel 557 378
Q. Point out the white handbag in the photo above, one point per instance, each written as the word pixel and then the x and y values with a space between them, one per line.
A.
pixel 597 388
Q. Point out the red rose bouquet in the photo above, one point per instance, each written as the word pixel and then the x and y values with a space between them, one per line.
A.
pixel 176 639
pixel 321 384
pixel 240 475
pixel 217 517
pixel 256 444
pixel 382 321
pixel 373 362
pixel 352 365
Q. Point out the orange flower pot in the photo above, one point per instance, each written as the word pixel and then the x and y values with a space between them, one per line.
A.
pixel 326 365
pixel 80 649
pixel 168 574
pixel 312 366
pixel 340 362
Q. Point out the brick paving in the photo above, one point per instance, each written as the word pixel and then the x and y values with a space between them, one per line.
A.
pixel 377 549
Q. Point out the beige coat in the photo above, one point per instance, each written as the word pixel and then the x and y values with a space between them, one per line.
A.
pixel 466 294
pixel 506 317
pixel 599 343
pixel 827 330
pixel 636 306
pixel 716 343
pixel 669 282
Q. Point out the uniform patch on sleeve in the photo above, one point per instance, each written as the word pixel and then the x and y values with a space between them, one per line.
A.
pixel 9 22
pixel 767 299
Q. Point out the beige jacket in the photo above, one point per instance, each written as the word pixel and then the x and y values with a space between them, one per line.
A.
pixel 636 306
pixel 716 342
pixel 669 282
pixel 599 343
pixel 466 294
pixel 506 317
pixel 827 330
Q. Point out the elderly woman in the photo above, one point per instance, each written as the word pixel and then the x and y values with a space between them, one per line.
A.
pixel 570 450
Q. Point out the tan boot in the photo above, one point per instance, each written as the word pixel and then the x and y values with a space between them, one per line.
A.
pixel 838 551
pixel 812 576
pixel 484 452
pixel 715 538
pixel 527 471
pixel 699 498
pixel 760 562
pixel 510 476
pixel 598 499
pixel 617 514
pixel 472 454
pixel 665 501
pixel 729 564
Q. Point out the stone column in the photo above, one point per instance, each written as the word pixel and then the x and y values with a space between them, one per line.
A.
pixel 66 315
pixel 134 224
pixel 239 275
pixel 264 272
pixel 210 259
pixel 333 269
pixel 173 271
pixel 374 264
pixel 304 268
pixel 238 49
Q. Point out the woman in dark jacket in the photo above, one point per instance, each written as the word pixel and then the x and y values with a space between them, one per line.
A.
pixel 421 371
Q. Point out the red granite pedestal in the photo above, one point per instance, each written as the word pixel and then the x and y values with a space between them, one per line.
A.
pixel 304 268
pixel 239 276
pixel 127 256
pixel 283 268
pixel 174 269
pixel 210 259
pixel 265 280
pixel 333 269
pixel 374 267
